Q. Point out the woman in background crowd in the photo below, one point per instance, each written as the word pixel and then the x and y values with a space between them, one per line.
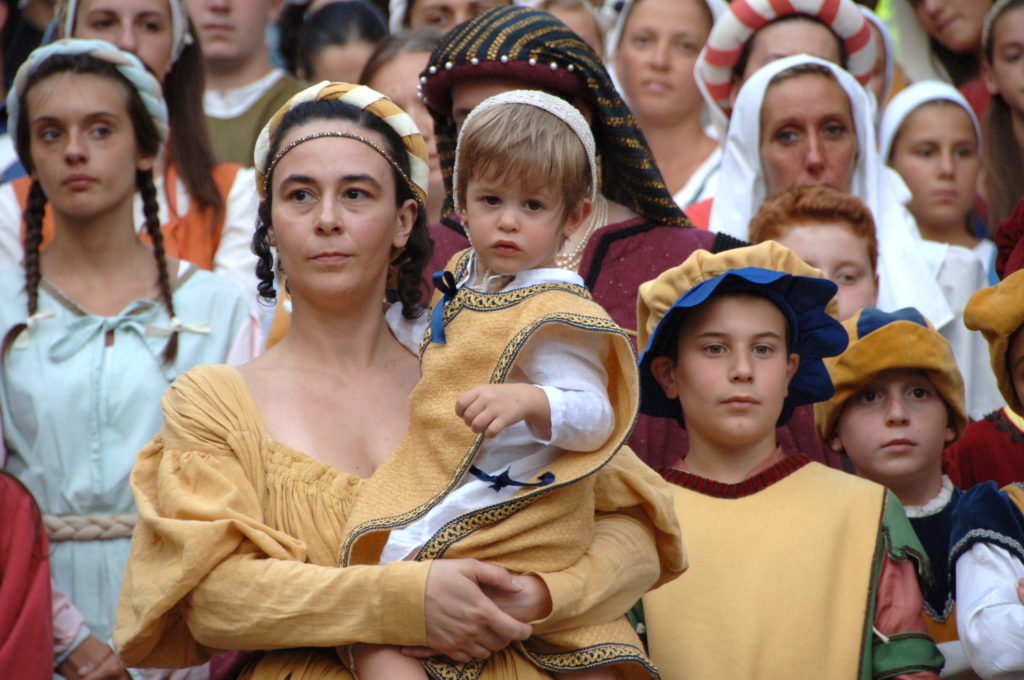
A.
pixel 1003 43
pixel 102 321
pixel 332 41
pixel 654 47
pixel 394 70
pixel 942 40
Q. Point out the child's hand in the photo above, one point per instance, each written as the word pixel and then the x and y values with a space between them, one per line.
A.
pixel 1020 590
pixel 492 408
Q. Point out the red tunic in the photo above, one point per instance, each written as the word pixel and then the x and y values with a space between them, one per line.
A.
pixel 26 605
pixel 990 449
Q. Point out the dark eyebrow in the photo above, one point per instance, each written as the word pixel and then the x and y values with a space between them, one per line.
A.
pixel 306 179
pixel 362 177
pixel 715 334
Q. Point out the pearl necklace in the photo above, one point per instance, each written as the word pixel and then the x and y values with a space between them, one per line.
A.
pixel 571 260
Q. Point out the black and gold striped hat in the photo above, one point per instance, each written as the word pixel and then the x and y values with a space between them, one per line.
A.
pixel 537 50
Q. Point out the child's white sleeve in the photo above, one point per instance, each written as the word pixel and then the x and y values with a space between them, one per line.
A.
pixel 989 616
pixel 568 365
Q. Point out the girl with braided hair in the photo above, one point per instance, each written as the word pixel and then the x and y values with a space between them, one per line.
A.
pixel 98 325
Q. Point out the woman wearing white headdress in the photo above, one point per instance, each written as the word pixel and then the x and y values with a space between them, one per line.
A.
pixel 652 51
pixel 769 149
pixel 930 136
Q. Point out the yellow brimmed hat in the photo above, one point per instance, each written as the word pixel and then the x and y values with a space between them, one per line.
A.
pixel 768 270
pixel 882 341
pixel 998 312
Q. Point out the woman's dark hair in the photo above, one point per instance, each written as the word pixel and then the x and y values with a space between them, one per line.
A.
pixel 397 44
pixel 147 140
pixel 193 157
pixel 408 264
pixel 302 36
pixel 1003 179
pixel 748 47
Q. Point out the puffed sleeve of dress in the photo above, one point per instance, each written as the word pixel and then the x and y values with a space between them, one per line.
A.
pixel 208 573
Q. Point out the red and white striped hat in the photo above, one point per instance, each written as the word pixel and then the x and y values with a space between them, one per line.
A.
pixel 735 28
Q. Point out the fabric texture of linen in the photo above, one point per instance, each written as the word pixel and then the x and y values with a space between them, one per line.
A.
pixel 904 277
pixel 245 530
pixel 234 137
pixel 79 397
pixel 807 605
pixel 960 274
pixel 567 366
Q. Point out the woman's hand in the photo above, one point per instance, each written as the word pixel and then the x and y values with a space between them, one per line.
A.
pixel 531 603
pixel 462 622
pixel 93 660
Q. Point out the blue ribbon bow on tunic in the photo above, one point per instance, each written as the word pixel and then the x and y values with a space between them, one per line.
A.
pixel 445 282
pixel 500 481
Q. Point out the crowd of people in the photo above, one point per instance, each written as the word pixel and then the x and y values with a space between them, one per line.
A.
pixel 745 391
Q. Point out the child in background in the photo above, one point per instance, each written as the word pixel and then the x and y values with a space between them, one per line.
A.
pixel 993 448
pixel 522 373
pixel 796 568
pixel 830 230
pixel 899 401
pixel 931 138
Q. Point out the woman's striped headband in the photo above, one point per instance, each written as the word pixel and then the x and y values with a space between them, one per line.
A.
pixel 361 97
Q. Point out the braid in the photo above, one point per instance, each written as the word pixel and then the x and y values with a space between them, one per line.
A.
pixel 35 209
pixel 151 211
pixel 265 256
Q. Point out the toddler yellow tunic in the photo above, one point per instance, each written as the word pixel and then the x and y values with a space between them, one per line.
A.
pixel 540 528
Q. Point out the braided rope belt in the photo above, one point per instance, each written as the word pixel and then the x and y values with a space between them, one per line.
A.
pixel 89 527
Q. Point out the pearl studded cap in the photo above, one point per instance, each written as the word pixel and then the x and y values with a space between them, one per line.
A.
pixel 558 108
pixel 533 49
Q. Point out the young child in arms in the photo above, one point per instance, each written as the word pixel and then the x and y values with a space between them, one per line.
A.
pixel 528 390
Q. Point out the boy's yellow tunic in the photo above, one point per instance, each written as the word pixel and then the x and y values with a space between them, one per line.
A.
pixel 541 528
pixel 784 574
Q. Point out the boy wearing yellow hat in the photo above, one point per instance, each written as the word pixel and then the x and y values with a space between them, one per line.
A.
pixel 993 448
pixel 898 402
pixel 796 568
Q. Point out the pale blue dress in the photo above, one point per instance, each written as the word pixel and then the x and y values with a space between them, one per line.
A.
pixel 80 395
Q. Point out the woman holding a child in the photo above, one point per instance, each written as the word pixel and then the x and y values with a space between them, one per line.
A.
pixel 244 496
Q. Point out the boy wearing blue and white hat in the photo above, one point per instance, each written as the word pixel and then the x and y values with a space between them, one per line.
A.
pixel 794 566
